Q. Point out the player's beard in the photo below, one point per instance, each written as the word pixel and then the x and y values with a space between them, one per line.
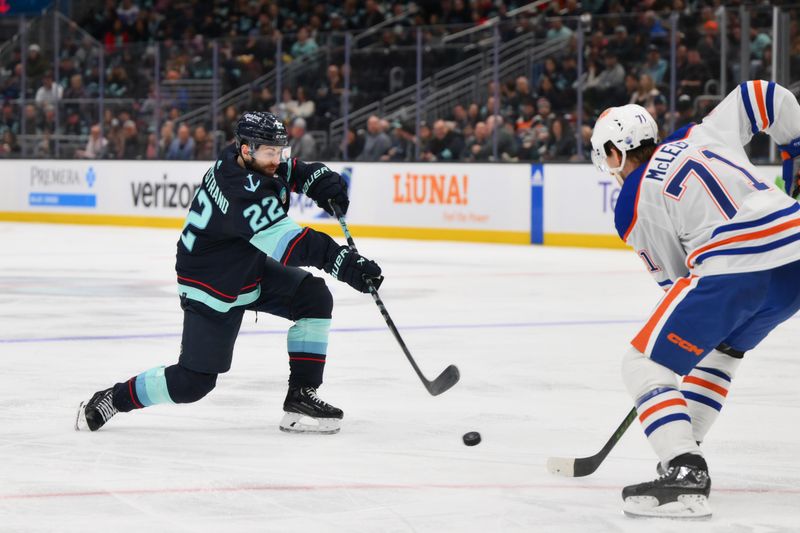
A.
pixel 268 169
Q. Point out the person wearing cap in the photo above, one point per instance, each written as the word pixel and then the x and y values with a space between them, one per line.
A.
pixel 655 66
pixel 36 65
pixel 303 144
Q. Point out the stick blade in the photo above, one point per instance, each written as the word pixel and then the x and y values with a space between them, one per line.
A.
pixel 445 381
pixel 561 466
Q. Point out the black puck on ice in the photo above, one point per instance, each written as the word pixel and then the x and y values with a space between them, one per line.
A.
pixel 472 438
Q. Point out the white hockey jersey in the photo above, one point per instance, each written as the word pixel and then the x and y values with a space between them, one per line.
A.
pixel 699 206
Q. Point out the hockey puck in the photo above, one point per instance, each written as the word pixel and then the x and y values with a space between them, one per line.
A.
pixel 472 438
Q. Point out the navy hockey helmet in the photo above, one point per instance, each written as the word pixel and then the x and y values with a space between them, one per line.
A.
pixel 255 128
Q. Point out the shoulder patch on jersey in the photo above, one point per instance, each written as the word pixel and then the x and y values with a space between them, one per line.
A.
pixel 625 210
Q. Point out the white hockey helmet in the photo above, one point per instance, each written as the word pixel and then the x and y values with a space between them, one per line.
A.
pixel 626 127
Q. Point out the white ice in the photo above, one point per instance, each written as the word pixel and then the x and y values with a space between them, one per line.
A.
pixel 536 332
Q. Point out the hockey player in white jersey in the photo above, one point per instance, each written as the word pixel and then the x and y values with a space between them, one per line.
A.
pixel 725 246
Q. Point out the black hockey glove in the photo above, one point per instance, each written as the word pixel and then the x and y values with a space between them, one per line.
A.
pixel 350 267
pixel 324 186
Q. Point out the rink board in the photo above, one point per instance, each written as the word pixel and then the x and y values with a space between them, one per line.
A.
pixel 559 204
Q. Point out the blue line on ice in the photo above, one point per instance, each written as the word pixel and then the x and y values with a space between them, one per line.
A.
pixel 89 338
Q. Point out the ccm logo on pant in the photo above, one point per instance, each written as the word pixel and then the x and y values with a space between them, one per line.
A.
pixel 684 345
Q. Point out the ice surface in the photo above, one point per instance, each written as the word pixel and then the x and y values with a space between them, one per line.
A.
pixel 536 332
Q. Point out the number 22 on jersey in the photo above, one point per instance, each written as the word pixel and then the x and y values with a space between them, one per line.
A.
pixel 716 190
pixel 198 220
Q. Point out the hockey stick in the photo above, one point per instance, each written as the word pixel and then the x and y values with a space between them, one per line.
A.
pixel 449 375
pixel 583 466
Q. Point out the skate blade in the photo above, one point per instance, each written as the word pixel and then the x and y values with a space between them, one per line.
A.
pixel 299 423
pixel 688 507
pixel 80 420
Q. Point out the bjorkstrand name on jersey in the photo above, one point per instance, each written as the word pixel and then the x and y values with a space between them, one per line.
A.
pixel 214 190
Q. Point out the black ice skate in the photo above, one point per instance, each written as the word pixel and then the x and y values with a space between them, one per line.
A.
pixel 92 415
pixel 682 492
pixel 305 412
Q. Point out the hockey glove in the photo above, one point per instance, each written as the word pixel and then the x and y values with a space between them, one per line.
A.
pixel 325 185
pixel 350 267
pixel 790 153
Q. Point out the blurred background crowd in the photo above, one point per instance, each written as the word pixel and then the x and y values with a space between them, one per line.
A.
pixel 452 80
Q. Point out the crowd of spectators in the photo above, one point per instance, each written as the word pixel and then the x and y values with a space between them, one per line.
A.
pixel 531 117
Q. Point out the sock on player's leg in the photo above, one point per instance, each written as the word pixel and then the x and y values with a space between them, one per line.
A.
pixel 706 389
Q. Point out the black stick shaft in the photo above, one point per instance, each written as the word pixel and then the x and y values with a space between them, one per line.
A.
pixel 374 292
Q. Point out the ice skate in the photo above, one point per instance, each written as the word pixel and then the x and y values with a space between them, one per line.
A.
pixel 92 415
pixel 682 492
pixel 305 412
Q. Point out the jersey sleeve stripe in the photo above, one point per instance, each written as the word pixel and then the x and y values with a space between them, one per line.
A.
pixel 771 102
pixel 745 94
pixel 794 208
pixel 762 110
pixel 274 240
pixel 704 252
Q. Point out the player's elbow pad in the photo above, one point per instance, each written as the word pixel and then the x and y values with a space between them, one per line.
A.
pixel 309 248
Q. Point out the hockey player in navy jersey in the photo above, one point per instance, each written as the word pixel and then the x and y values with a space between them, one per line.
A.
pixel 725 246
pixel 240 251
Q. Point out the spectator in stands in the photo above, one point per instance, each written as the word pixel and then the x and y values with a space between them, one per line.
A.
pixel 49 118
pixel 646 93
pixel 402 148
pixel 526 117
pixel 606 88
pixel 116 37
pixel 75 124
pixel 36 65
pixel 182 147
pixel 685 111
pixel 445 145
pixel 351 146
pixel 167 135
pixel 131 142
pixel 203 145
pixel 9 121
pixel 544 112
pixel 128 12
pixel 305 108
pixel 32 119
pixel 376 141
pixel 329 94
pixel 478 147
pixel 562 141
pixel 473 114
pixel 43 149
pixel 286 109
pixel 8 146
pixel 655 66
pixel 460 118
pixel 558 30
pixel 76 91
pixel 506 144
pixel 305 45
pixel 50 92
pixel 151 150
pixel 586 154
pixel 96 145
pixel 694 76
pixel 303 145
pixel 622 45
